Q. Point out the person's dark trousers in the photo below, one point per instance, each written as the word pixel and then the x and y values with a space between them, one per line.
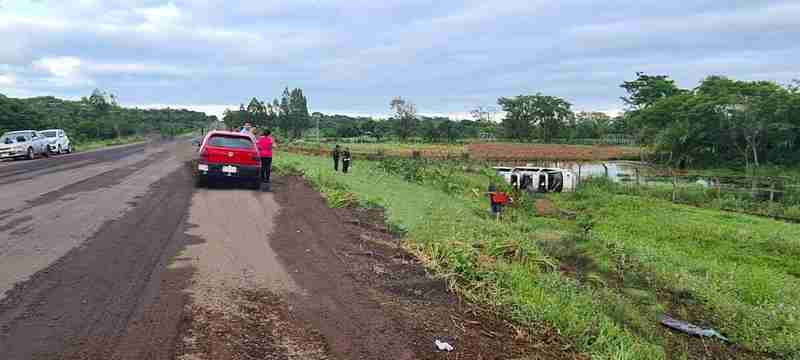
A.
pixel 266 168
pixel 336 163
pixel 345 166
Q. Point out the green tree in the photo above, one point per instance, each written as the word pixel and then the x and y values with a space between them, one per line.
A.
pixel 525 113
pixel 645 90
pixel 298 112
pixel 406 116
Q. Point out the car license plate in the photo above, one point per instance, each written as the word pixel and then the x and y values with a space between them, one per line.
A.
pixel 229 170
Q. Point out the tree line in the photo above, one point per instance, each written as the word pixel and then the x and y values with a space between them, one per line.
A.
pixel 721 121
pixel 289 114
pixel 96 117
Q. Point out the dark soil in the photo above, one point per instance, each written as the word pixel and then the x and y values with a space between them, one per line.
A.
pixel 370 299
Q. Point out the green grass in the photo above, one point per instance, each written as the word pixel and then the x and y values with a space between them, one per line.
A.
pixel 737 273
pixel 742 269
pixel 497 263
pixel 764 171
pixel 786 206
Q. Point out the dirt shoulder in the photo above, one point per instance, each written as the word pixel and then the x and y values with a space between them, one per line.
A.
pixel 357 296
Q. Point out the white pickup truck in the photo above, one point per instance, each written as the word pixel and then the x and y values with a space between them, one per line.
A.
pixel 22 144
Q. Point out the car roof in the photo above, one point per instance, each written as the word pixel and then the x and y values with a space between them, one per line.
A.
pixel 51 130
pixel 20 131
pixel 230 133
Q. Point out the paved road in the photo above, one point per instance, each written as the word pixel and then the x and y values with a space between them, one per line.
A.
pixel 85 240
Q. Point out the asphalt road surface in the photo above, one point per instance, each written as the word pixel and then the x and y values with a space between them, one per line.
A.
pixel 114 254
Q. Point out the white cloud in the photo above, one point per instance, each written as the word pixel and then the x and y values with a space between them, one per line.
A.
pixel 63 66
pixel 7 80
pixel 136 69
pixel 159 16
pixel 353 56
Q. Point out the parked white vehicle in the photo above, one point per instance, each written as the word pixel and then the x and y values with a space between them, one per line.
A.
pixel 57 141
pixel 538 179
pixel 22 144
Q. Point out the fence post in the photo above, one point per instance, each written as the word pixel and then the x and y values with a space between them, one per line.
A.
pixel 674 185
pixel 772 192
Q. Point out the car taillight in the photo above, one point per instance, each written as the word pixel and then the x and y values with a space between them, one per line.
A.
pixel 204 154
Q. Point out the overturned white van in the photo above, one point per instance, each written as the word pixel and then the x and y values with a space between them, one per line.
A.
pixel 538 179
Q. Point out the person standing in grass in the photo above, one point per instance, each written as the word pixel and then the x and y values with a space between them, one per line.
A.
pixel 335 153
pixel 346 160
pixel 497 200
pixel 265 144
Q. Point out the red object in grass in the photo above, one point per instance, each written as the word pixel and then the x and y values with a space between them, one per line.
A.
pixel 500 197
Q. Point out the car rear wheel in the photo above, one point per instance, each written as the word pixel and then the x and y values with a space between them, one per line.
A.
pixel 31 155
pixel 200 182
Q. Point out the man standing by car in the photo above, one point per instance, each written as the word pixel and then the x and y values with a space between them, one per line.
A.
pixel 265 143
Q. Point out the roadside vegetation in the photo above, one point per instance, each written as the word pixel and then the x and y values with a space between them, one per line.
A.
pixel 602 279
pixel 785 205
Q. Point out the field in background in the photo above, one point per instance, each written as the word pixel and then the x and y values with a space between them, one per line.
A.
pixel 510 151
pixel 484 151
pixel 603 279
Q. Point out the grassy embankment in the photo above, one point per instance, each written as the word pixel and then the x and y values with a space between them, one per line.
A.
pixel 629 259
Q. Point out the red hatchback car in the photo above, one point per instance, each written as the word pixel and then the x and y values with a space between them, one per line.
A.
pixel 228 156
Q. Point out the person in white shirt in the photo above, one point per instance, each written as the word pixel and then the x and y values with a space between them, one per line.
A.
pixel 246 128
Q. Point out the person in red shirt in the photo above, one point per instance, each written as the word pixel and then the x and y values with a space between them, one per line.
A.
pixel 497 200
pixel 265 144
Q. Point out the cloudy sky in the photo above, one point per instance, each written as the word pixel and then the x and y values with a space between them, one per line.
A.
pixel 353 56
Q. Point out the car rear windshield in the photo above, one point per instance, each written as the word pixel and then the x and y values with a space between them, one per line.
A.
pixel 49 133
pixel 229 141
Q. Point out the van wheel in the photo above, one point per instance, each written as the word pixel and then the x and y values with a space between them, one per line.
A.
pixel 31 155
